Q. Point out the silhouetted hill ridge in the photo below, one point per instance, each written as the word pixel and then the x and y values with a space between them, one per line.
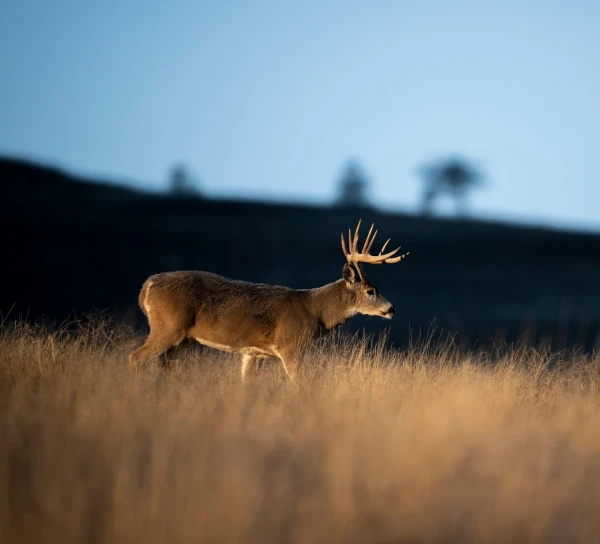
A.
pixel 73 245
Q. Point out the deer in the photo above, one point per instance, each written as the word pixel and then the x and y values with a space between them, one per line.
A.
pixel 257 320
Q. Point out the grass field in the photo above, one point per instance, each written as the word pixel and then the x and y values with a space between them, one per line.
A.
pixel 423 445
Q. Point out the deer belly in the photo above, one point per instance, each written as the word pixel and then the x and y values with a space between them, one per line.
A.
pixel 244 350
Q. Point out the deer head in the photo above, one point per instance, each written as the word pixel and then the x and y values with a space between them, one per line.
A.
pixel 366 297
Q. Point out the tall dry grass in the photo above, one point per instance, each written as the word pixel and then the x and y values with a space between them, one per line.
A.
pixel 423 445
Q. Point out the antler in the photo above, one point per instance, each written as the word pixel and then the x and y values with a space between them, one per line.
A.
pixel 354 257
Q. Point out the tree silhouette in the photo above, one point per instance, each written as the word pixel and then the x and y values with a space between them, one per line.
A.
pixel 455 177
pixel 353 185
pixel 181 182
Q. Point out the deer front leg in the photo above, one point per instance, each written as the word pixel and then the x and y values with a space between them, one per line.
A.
pixel 291 344
pixel 290 360
pixel 249 366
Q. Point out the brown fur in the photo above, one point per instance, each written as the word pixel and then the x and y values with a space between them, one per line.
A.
pixel 255 320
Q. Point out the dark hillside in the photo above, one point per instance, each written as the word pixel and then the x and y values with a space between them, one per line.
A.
pixel 71 246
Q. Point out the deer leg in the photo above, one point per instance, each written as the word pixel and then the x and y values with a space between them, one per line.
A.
pixel 290 360
pixel 249 366
pixel 167 357
pixel 155 345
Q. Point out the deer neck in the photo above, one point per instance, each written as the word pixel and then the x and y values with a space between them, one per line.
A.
pixel 332 304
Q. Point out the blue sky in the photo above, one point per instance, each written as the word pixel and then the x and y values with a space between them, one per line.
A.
pixel 269 99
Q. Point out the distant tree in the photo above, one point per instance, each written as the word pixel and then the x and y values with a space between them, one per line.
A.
pixel 181 182
pixel 455 177
pixel 353 185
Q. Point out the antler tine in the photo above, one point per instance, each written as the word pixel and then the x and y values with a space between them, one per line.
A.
pixel 366 244
pixel 344 246
pixel 372 240
pixel 378 259
pixel 381 252
pixel 355 241
pixel 369 242
pixel 386 256
pixel 397 259
pixel 390 253
pixel 384 246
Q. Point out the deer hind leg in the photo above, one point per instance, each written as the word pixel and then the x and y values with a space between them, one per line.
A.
pixel 249 367
pixel 156 345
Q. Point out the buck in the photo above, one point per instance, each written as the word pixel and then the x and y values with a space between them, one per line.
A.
pixel 258 320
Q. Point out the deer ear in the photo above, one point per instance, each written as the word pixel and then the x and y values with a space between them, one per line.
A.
pixel 349 274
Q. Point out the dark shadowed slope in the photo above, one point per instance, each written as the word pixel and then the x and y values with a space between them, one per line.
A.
pixel 72 245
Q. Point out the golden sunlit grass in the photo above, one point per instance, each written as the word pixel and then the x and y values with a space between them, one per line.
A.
pixel 424 445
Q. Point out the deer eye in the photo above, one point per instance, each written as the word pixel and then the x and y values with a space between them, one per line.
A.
pixel 370 291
